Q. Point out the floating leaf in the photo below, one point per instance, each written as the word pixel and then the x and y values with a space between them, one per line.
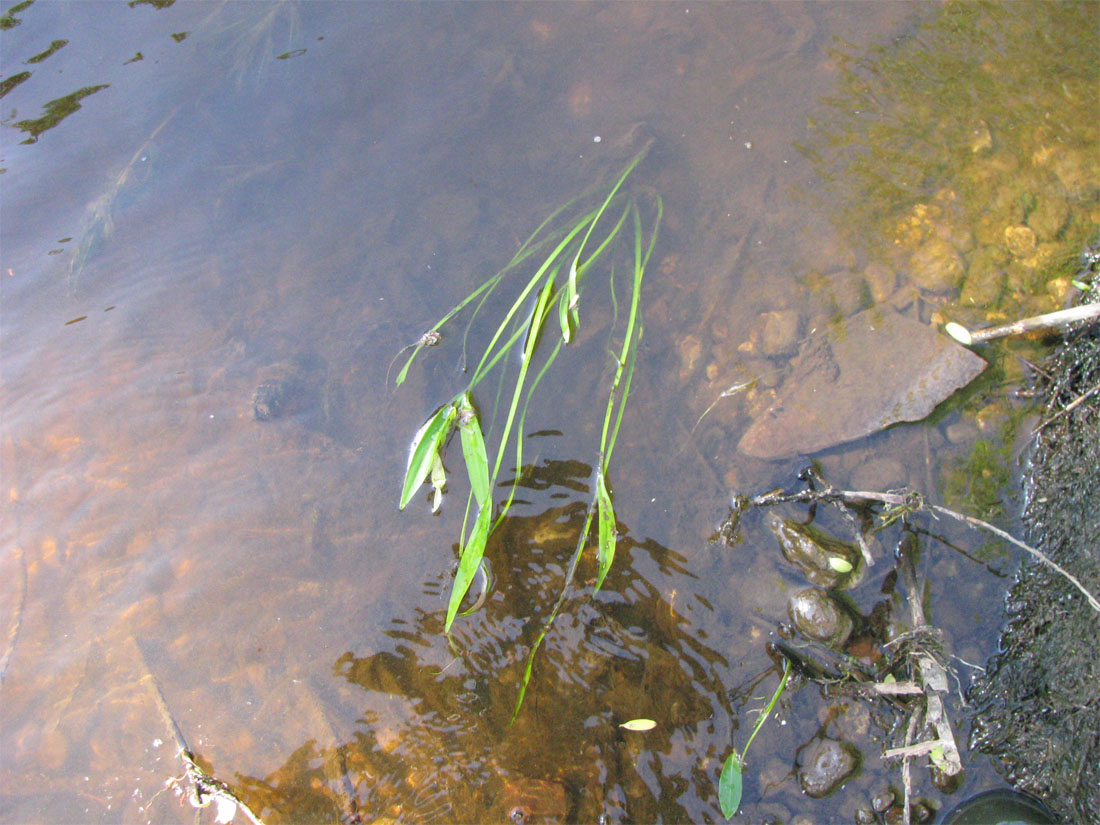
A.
pixel 840 565
pixel 729 786
pixel 606 552
pixel 639 724
pixel 425 449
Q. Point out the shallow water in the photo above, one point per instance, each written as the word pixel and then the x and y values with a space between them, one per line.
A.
pixel 301 190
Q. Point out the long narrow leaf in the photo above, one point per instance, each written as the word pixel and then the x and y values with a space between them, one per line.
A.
pixel 472 553
pixel 468 562
pixel 473 450
pixel 425 447
pixel 763 717
pixel 606 520
pixel 563 317
pixel 535 280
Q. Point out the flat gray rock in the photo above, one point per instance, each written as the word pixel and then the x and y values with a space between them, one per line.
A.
pixel 858 377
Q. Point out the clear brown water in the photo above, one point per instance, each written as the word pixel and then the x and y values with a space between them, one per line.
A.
pixel 306 188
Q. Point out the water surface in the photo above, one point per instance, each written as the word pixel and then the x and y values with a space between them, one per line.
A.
pixel 288 194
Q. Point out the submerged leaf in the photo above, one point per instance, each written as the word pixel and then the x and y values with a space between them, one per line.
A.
pixel 729 786
pixel 639 724
pixel 606 553
pixel 840 565
pixel 425 450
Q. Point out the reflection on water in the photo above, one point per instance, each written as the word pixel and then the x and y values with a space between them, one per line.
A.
pixel 206 271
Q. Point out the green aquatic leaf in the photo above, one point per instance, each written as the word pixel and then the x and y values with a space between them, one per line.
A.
pixel 424 450
pixel 563 317
pixel 729 786
pixel 468 563
pixel 606 519
pixel 639 725
pixel 473 450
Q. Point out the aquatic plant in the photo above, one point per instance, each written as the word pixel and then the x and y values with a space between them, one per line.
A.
pixel 730 781
pixel 587 230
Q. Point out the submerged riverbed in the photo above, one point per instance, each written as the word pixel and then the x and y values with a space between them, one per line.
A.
pixel 221 222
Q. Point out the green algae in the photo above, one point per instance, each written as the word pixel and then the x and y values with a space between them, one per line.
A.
pixel 967 156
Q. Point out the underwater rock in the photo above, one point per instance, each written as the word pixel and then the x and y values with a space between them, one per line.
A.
pixel 779 335
pixel 936 266
pixel 873 370
pixel 820 556
pixel 528 801
pixel 817 617
pixel 824 764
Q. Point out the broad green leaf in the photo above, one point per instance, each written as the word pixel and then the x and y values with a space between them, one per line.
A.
pixel 729 786
pixel 639 724
pixel 424 449
pixel 468 563
pixel 439 481
pixel 840 565
pixel 606 552
pixel 473 450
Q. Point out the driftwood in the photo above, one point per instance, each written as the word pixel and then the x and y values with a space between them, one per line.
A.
pixel 1063 317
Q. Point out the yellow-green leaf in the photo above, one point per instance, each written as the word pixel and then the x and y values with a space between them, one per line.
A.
pixel 840 565
pixel 639 724
pixel 439 480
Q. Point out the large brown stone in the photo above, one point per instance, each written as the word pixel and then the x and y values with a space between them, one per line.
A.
pixel 870 371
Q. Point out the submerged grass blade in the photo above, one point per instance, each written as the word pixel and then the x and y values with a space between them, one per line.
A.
pixel 620 389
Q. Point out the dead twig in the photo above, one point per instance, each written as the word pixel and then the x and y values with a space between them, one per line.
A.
pixel 908 502
pixel 204 787
pixel 1070 407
